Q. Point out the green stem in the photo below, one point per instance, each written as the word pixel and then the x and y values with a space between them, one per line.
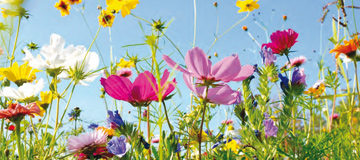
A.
pixel 18 141
pixel 194 23
pixel 217 38
pixel 15 42
pixel 202 119
pixel 87 52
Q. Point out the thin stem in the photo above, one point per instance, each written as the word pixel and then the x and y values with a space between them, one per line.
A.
pixel 194 23
pixel 352 3
pixel 148 130
pixel 202 119
pixel 357 89
pixel 334 100
pixel 18 141
pixel 217 38
pixel 173 44
pixel 87 52
pixel 88 27
pixel 15 42
pixel 167 117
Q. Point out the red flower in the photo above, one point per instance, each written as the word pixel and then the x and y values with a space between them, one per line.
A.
pixel 282 41
pixel 16 110
pixel 11 128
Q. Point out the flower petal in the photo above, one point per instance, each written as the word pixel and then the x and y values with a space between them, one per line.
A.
pixel 118 87
pixel 226 69
pixel 198 64
pixel 244 73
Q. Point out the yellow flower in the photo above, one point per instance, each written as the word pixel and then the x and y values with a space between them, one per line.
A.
pixel 19 74
pixel 72 2
pixel 46 99
pixel 232 145
pixel 7 12
pixel 230 128
pixel 124 5
pixel 106 18
pixel 125 64
pixel 64 7
pixel 109 131
pixel 247 5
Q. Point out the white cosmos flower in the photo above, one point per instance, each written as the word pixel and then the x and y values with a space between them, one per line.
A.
pixel 53 55
pixel 26 91
pixel 74 62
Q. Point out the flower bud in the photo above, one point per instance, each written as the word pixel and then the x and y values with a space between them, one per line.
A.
pixel 216 54
pixel 215 4
pixel 284 17
pixel 245 28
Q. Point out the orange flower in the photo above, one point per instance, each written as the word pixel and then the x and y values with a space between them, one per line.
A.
pixel 245 28
pixel 16 111
pixel 109 131
pixel 317 89
pixel 349 48
pixel 106 18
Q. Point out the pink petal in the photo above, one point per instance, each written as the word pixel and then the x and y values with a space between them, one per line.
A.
pixel 226 69
pixel 245 72
pixel 189 82
pixel 144 87
pixel 167 87
pixel 117 87
pixel 172 64
pixel 198 64
pixel 222 95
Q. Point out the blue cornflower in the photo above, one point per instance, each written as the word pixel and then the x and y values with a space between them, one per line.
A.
pixel 114 120
pixel 93 126
pixel 118 146
pixel 178 148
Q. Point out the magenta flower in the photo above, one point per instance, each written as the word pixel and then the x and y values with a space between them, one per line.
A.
pixel 334 116
pixel 139 93
pixel 200 67
pixel 222 94
pixel 282 41
pixel 296 62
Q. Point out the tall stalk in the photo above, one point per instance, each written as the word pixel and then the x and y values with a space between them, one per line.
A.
pixel 202 119
pixel 18 141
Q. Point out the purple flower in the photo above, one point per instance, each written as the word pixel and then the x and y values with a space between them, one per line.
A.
pixel 93 126
pixel 267 56
pixel 270 128
pixel 114 120
pixel 298 77
pixel 118 146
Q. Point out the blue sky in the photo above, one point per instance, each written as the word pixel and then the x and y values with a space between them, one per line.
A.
pixel 302 16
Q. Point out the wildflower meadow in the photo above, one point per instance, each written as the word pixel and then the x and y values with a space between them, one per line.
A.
pixel 189 79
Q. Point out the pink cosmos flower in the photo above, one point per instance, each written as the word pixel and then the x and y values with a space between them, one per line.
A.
pixel 296 62
pixel 86 141
pixel 16 110
pixel 229 121
pixel 140 93
pixel 200 67
pixel 222 94
pixel 282 41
